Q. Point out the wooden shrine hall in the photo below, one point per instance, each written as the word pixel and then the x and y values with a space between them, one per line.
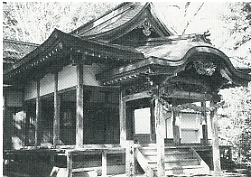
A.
pixel 121 94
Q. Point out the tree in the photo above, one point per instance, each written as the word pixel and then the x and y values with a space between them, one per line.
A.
pixel 34 21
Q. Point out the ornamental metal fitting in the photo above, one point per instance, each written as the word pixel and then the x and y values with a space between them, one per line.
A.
pixel 146 25
pixel 204 67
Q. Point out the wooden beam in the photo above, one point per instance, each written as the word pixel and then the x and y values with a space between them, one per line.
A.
pixel 130 162
pixel 38 114
pixel 215 141
pixel 193 96
pixel 56 121
pixel 122 119
pixel 79 106
pixel 137 96
pixel 160 135
pixel 104 163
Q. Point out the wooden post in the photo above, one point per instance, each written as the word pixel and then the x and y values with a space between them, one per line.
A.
pixel 104 163
pixel 7 122
pixel 204 126
pixel 69 164
pixel 56 121
pixel 160 131
pixel 27 123
pixel 122 119
pixel 176 131
pixel 152 126
pixel 215 141
pixel 130 164
pixel 38 113
pixel 79 106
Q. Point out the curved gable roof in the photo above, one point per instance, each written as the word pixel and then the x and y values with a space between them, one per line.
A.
pixel 173 57
pixel 122 20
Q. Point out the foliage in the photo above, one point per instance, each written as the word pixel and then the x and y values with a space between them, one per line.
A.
pixel 235 119
pixel 237 19
pixel 34 21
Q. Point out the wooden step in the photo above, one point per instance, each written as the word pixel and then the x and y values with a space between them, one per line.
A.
pixel 184 170
pixel 177 163
pixel 173 157
pixel 182 167
pixel 167 149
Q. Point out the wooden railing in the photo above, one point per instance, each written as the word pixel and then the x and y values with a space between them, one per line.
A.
pixel 197 156
pixel 83 151
pixel 143 161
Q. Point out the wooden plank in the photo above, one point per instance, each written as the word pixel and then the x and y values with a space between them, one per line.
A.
pixel 160 131
pixel 95 151
pixel 56 121
pixel 79 107
pixel 38 113
pixel 215 141
pixel 122 119
pixel 104 163
pixel 69 165
pixel 130 163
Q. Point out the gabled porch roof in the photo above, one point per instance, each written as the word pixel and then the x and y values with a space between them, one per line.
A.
pixel 173 57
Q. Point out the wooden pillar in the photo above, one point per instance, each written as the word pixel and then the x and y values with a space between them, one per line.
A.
pixel 130 163
pixel 160 135
pixel 152 126
pixel 215 141
pixel 7 122
pixel 204 125
pixel 122 119
pixel 38 114
pixel 79 106
pixel 69 164
pixel 56 121
pixel 104 163
pixel 27 123
pixel 176 131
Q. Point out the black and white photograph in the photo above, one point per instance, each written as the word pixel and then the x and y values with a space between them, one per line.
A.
pixel 126 89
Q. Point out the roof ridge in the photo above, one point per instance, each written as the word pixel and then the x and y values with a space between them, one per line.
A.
pixel 95 19
pixel 20 42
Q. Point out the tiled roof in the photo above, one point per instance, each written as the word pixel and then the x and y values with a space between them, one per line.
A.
pixel 14 50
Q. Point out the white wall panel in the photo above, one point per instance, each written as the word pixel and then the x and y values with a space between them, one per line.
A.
pixel 30 90
pixel 47 85
pixel 67 77
pixel 89 75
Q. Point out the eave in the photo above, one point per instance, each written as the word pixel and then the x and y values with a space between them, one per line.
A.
pixel 60 46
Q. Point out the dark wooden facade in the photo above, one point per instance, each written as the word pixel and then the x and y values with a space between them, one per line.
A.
pixel 81 90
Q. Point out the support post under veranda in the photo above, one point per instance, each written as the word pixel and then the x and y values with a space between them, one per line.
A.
pixel 215 140
pixel 160 135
